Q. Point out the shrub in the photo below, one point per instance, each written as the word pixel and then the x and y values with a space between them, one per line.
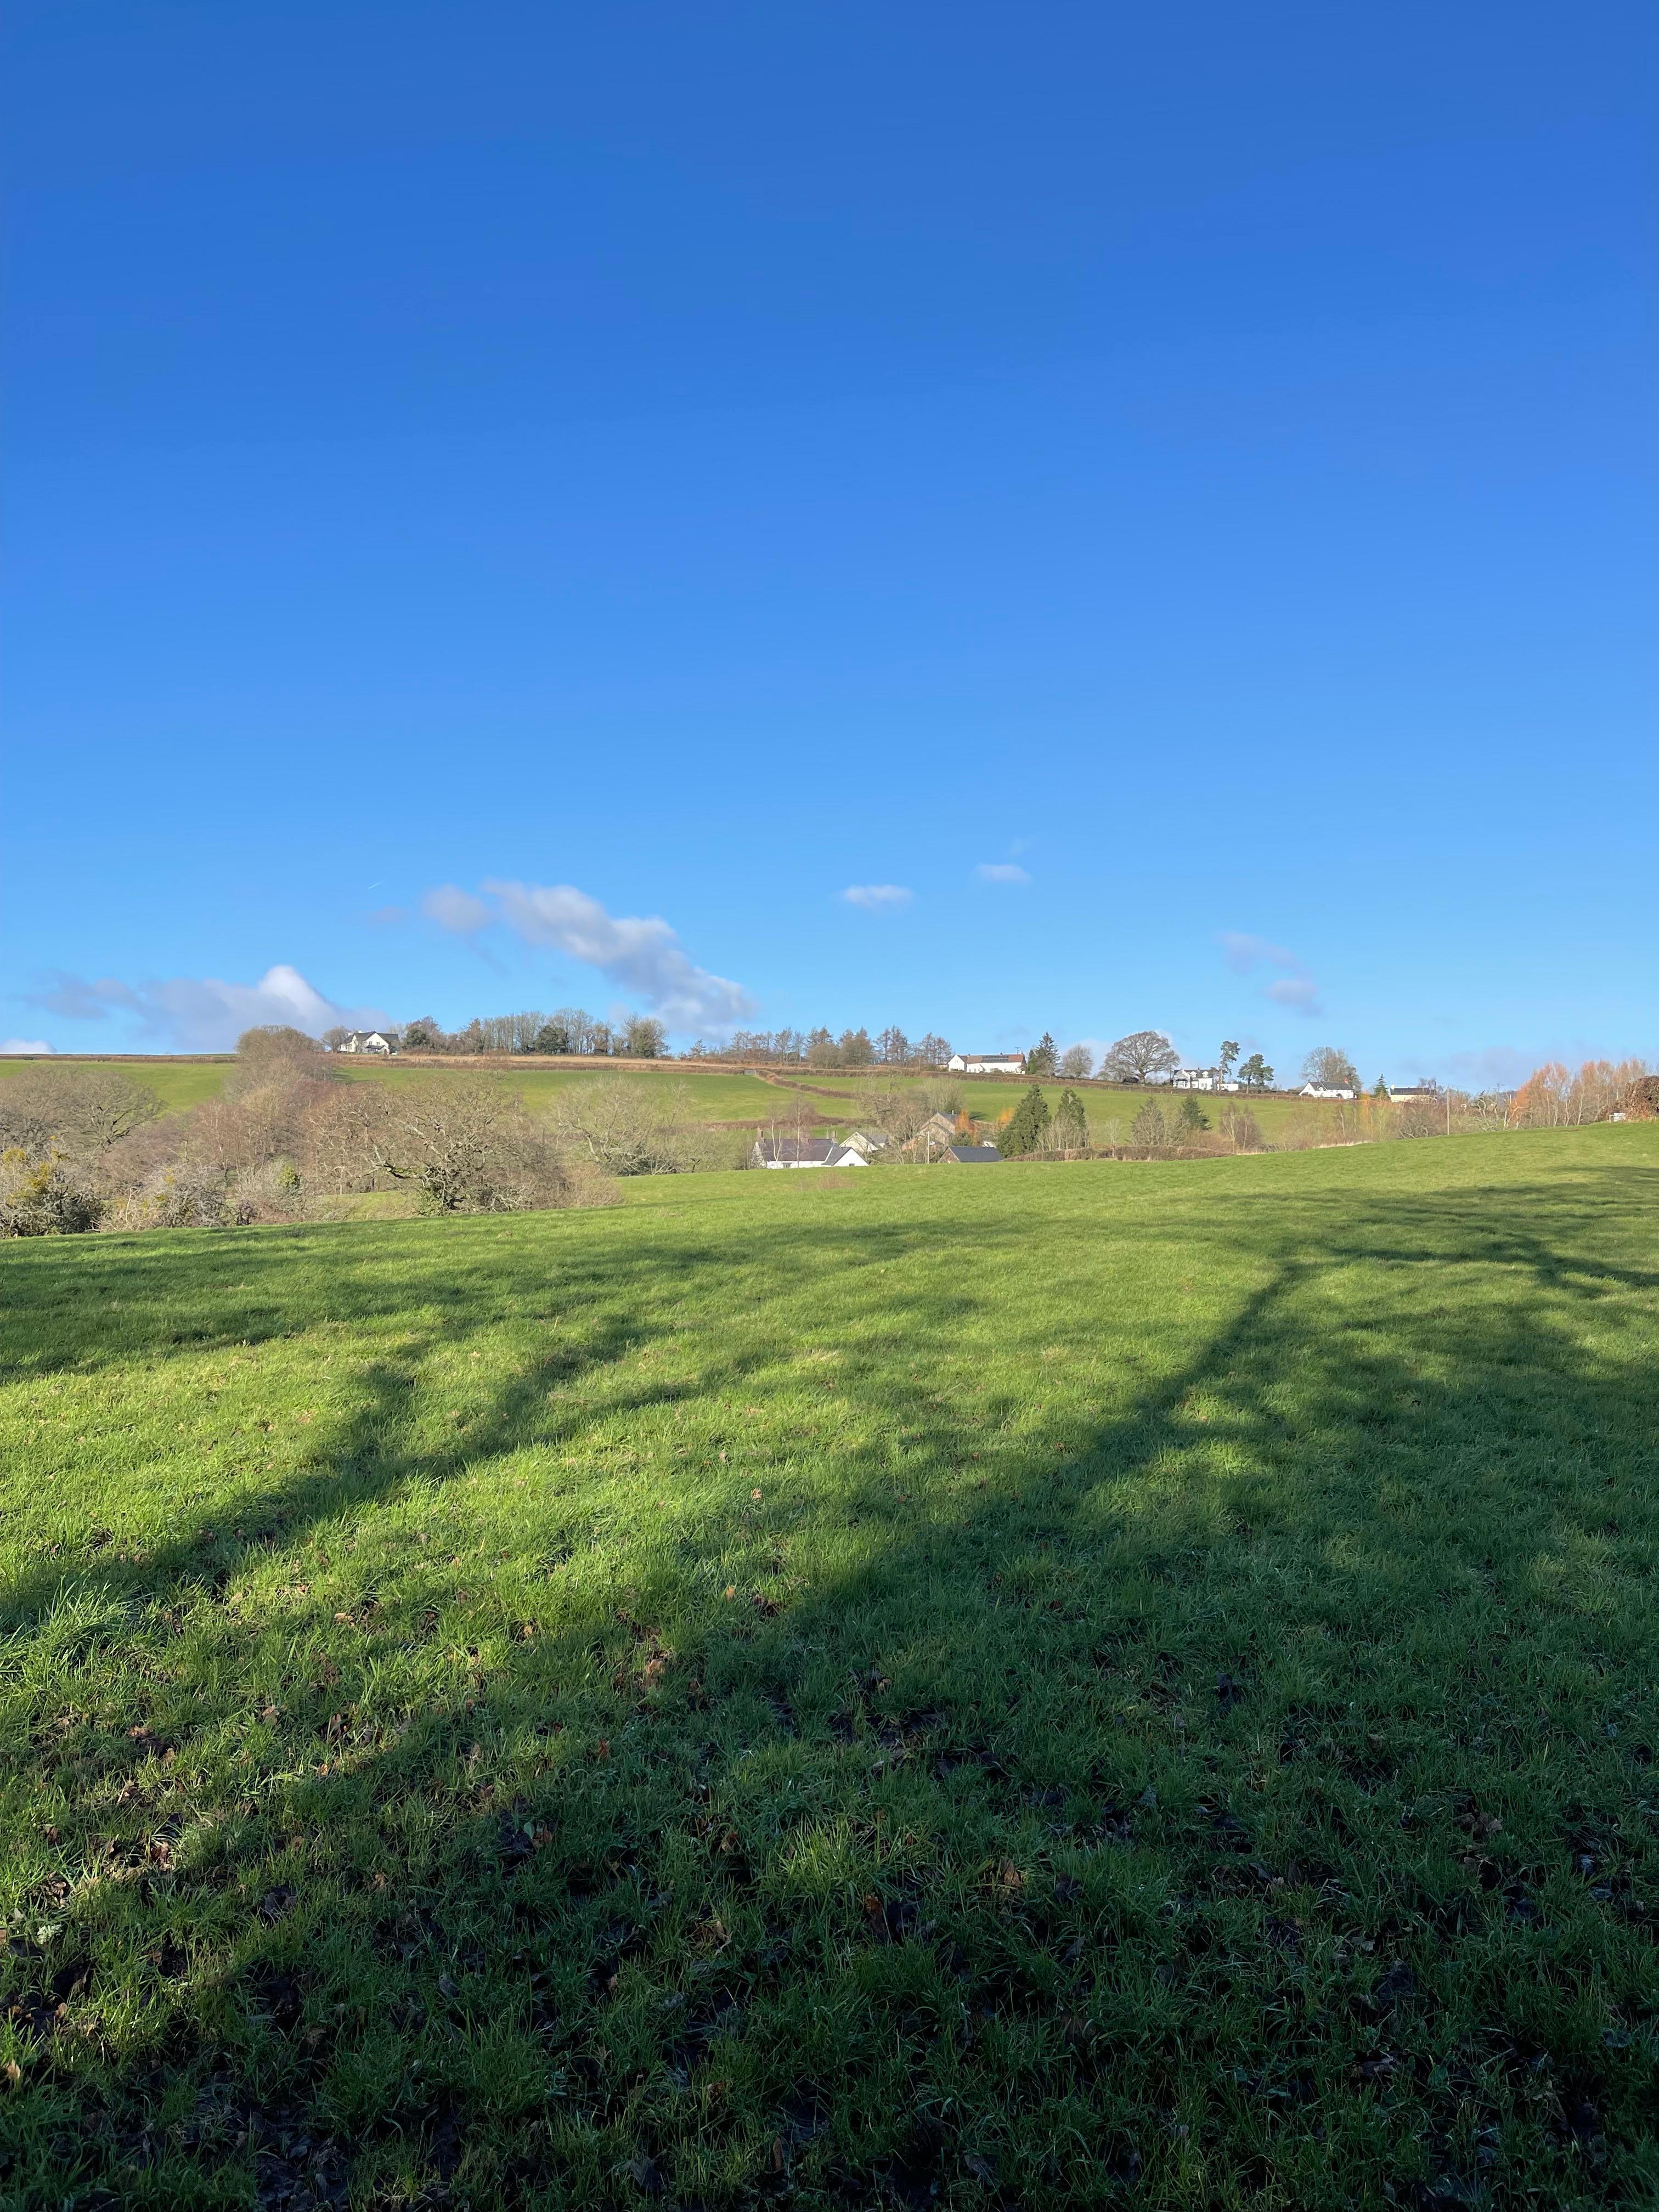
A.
pixel 1240 1129
pixel 44 1197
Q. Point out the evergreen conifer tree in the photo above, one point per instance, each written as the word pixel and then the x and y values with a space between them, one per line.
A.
pixel 1028 1126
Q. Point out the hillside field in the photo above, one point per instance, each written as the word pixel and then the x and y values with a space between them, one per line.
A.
pixel 836 1098
pixel 1072 1685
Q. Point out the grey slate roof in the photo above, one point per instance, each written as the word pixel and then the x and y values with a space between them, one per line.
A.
pixel 796 1148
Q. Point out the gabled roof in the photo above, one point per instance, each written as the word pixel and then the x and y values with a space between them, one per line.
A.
pixel 972 1155
pixel 817 1149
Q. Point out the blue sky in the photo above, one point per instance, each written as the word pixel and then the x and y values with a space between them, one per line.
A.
pixel 1171 492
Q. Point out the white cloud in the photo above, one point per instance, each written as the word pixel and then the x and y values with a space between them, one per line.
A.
pixel 22 1045
pixel 1295 988
pixel 1001 871
pixel 877 898
pixel 641 954
pixel 202 1014
pixel 452 907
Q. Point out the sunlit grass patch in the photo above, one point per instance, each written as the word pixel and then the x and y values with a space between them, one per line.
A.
pixel 1079 1686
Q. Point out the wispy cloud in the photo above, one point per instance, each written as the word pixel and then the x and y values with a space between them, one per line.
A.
pixel 1294 987
pixel 451 908
pixel 1001 871
pixel 877 898
pixel 1246 953
pixel 77 1000
pixel 203 1014
pixel 638 953
pixel 1494 1067
pixel 22 1045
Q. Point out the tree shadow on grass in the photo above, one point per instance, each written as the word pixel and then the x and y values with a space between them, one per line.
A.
pixel 1212 1806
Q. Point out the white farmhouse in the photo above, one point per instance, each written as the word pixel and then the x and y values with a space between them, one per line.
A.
pixel 1203 1079
pixel 380 1041
pixel 805 1152
pixel 1325 1091
pixel 986 1063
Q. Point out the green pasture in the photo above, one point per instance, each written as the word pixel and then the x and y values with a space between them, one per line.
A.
pixel 1105 1103
pixel 179 1084
pixel 1060 1685
pixel 987 1098
pixel 710 1097
pixel 835 1099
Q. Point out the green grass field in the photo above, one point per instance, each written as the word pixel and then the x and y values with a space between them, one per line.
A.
pixel 837 1099
pixel 1114 1684
pixel 179 1083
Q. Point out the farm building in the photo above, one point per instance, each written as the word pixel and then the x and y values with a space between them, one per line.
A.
pixel 865 1142
pixel 379 1040
pixel 986 1063
pixel 1325 1091
pixel 970 1155
pixel 937 1131
pixel 805 1152
pixel 1203 1079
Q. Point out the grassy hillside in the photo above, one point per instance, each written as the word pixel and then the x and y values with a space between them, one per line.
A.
pixel 179 1084
pixel 1064 1685
pixel 837 1100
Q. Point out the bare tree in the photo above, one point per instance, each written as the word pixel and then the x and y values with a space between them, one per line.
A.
pixel 1077 1063
pixel 333 1141
pixel 1329 1064
pixel 257 1049
pixel 75 1111
pixel 1553 1096
pixel 641 1127
pixel 1138 1057
pixel 1240 1129
pixel 647 1037
pixel 466 1145
pixel 900 1112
